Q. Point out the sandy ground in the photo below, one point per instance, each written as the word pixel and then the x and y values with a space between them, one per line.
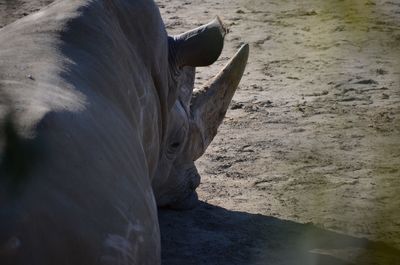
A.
pixel 306 167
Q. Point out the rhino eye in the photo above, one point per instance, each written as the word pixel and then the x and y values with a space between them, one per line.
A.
pixel 173 149
pixel 175 145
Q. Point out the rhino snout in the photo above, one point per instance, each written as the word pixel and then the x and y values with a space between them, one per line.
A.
pixel 188 198
pixel 194 179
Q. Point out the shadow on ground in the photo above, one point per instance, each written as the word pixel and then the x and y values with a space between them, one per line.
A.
pixel 214 235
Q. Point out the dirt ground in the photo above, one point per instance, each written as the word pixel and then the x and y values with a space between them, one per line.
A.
pixel 306 167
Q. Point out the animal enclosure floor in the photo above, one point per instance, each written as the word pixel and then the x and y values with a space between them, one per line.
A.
pixel 305 168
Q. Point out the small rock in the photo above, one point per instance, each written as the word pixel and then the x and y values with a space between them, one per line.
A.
pixel 385 96
pixel 298 130
pixel 268 103
pixel 381 71
pixel 30 77
pixel 339 28
pixel 366 82
pixel 237 105
pixel 370 3
pixel 309 13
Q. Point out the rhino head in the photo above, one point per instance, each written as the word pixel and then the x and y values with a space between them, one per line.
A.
pixel 195 115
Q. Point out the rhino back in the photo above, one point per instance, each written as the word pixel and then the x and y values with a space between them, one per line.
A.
pixel 116 49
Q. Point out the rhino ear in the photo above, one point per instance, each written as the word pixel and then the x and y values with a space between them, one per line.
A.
pixel 199 47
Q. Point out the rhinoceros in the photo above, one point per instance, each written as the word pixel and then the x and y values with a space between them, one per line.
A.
pixel 99 126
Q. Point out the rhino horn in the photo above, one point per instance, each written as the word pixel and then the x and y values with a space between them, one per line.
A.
pixel 200 46
pixel 210 103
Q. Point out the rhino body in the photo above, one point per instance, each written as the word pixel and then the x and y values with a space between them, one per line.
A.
pixel 97 129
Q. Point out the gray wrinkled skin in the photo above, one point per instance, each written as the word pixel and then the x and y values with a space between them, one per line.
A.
pixel 98 126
